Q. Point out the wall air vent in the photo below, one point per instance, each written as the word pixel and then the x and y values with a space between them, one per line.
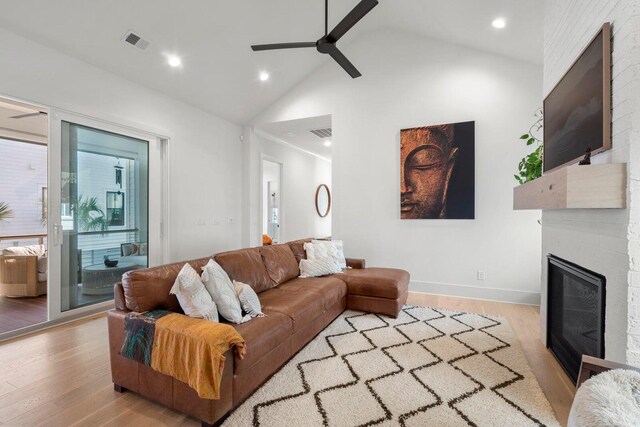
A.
pixel 322 133
pixel 135 40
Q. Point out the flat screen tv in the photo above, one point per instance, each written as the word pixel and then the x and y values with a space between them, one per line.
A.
pixel 577 112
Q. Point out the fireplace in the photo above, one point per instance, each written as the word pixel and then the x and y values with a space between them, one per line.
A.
pixel 575 313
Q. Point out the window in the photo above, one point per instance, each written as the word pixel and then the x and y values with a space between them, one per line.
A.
pixel 115 208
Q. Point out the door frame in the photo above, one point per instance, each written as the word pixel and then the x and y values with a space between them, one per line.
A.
pixel 281 213
pixel 158 207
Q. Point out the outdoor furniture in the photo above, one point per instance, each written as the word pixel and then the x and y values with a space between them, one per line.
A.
pixel 23 271
pixel 99 279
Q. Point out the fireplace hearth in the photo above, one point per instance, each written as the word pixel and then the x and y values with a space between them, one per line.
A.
pixel 576 313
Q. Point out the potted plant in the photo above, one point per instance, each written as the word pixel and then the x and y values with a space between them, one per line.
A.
pixel 530 167
pixel 91 217
pixel 5 211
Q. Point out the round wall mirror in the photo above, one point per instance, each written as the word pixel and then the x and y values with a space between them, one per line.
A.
pixel 323 200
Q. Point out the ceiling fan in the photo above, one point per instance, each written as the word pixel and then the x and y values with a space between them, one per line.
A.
pixel 327 43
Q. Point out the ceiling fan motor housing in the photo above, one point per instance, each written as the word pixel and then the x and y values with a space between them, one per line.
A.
pixel 325 46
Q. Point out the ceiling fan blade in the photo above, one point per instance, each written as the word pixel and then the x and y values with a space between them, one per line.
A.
pixel 352 18
pixel 344 63
pixel 24 116
pixel 257 47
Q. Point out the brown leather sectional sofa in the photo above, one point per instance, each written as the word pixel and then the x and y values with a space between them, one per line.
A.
pixel 297 310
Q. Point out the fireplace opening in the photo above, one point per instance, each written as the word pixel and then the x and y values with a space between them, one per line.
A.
pixel 575 313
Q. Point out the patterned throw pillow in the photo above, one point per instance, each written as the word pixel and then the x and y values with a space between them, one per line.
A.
pixel 193 296
pixel 325 248
pixel 248 299
pixel 319 267
pixel 217 282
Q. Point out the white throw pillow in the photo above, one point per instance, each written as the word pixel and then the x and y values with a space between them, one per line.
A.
pixel 319 267
pixel 193 296
pixel 324 248
pixel 42 264
pixel 248 299
pixel 217 282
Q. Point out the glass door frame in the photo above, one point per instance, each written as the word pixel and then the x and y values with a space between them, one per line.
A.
pixel 158 231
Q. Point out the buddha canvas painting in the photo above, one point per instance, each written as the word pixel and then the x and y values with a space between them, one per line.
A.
pixel 437 172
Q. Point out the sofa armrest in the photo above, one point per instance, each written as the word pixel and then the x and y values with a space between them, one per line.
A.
pixel 355 262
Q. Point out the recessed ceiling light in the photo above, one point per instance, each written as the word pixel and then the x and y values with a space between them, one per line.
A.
pixel 499 23
pixel 264 76
pixel 174 61
pixel 327 143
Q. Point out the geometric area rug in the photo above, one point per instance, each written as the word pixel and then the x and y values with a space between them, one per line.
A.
pixel 428 367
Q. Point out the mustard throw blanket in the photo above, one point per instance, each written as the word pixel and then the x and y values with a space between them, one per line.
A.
pixel 190 350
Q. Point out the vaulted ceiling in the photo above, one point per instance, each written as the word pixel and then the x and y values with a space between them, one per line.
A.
pixel 220 72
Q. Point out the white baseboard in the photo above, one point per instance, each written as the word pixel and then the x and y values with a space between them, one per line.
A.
pixel 476 292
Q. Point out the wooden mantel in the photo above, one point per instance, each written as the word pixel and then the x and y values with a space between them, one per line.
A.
pixel 575 187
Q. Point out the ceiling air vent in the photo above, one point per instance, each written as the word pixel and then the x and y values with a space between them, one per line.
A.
pixel 136 41
pixel 322 133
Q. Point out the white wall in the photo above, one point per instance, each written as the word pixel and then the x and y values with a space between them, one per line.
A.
pixel 301 175
pixel 412 81
pixel 205 150
pixel 603 240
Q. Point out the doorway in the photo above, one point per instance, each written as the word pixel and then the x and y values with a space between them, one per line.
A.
pixel 272 201
pixel 23 215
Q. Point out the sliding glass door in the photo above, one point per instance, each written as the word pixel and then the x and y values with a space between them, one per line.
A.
pixel 104 212
pixel 105 221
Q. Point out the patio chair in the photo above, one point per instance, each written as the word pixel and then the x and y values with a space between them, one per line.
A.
pixel 23 271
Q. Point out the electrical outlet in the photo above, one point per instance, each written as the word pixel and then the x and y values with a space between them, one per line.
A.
pixel 480 275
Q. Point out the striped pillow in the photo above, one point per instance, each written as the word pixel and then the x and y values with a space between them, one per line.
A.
pixel 193 296
pixel 248 299
pixel 319 267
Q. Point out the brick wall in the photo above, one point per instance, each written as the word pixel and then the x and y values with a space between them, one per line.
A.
pixel 606 241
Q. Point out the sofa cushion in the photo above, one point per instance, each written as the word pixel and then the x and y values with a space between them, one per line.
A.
pixel 331 289
pixel 301 306
pixel 148 288
pixel 246 266
pixel 388 283
pixel 262 334
pixel 280 262
pixel 31 250
pixel 297 247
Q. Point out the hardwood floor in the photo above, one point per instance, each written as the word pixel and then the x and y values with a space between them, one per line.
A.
pixel 61 376
pixel 16 313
